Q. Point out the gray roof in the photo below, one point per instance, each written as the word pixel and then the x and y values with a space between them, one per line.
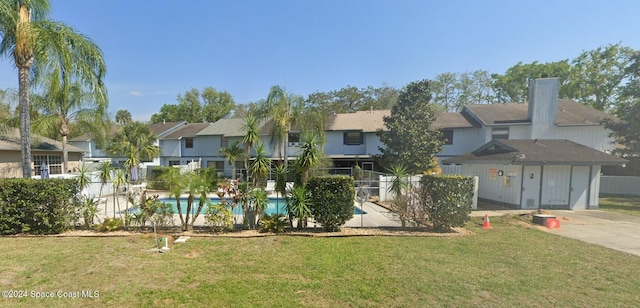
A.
pixel 88 136
pixel 189 130
pixel 232 128
pixel 569 113
pixel 159 128
pixel 10 141
pixel 536 152
pixel 371 121
pixel 367 121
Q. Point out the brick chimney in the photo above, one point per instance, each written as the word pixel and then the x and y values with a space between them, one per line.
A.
pixel 543 106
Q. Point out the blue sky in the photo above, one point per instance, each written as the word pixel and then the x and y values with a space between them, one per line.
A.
pixel 156 50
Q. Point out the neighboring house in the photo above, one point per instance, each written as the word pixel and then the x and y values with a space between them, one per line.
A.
pixel 182 146
pixel 545 154
pixel 224 133
pixel 351 138
pixel 42 150
pixel 96 153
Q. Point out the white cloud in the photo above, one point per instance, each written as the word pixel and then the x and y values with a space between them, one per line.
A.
pixel 135 93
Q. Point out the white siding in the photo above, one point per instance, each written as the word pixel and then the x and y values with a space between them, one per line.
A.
pixel 596 137
pixel 595 187
pixel 371 143
pixel 335 145
pixel 519 132
pixel 556 182
pixel 464 140
pixel 505 188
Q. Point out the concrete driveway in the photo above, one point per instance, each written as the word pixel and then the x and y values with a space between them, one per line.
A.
pixel 611 230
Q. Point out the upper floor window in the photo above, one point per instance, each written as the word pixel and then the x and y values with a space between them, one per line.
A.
pixel 294 138
pixel 447 136
pixel 500 133
pixel 188 143
pixel 224 142
pixel 353 138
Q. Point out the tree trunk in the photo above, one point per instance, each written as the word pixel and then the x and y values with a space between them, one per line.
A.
pixel 25 120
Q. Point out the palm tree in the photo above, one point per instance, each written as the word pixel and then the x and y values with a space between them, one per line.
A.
pixel 173 179
pixel 259 167
pixel 39 45
pixel 62 103
pixel 251 138
pixel 123 117
pixel 232 154
pixel 399 182
pixel 136 142
pixel 310 152
pixel 104 174
pixel 284 109
pixel 118 181
pixel 298 206
pixel 281 184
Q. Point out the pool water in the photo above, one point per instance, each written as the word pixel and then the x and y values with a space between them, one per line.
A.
pixel 274 206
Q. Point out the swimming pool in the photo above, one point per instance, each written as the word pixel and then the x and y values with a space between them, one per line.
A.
pixel 274 206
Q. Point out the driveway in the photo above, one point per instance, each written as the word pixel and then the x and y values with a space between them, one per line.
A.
pixel 611 230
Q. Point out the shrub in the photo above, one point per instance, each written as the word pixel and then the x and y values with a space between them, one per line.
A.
pixel 273 223
pixel 154 178
pixel 38 206
pixel 110 224
pixel 218 217
pixel 447 199
pixel 332 199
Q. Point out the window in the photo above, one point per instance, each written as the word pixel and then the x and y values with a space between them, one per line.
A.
pixel 353 138
pixel 294 139
pixel 500 133
pixel 447 136
pixel 54 162
pixel 224 142
pixel 188 143
pixel 220 166
pixel 174 163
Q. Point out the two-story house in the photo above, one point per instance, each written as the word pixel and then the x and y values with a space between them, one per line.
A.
pixel 546 153
pixel 94 152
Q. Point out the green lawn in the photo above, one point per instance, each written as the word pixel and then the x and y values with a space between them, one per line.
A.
pixel 629 205
pixel 512 265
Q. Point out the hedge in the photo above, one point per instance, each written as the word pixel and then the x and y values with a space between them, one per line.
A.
pixel 332 200
pixel 38 206
pixel 448 200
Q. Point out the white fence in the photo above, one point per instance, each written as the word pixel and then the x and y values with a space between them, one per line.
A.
pixel 386 195
pixel 620 185
pixel 451 169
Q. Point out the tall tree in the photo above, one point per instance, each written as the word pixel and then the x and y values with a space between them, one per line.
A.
pixel 123 117
pixel 194 106
pixel 513 86
pixel 351 99
pixel 136 142
pixel 598 75
pixel 260 166
pixel 409 139
pixel 251 137
pixel 64 102
pixel 283 108
pixel 310 153
pixel 33 41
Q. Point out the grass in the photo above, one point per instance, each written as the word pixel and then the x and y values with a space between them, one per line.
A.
pixel 628 205
pixel 510 265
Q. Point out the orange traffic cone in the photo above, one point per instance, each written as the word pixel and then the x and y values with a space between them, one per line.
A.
pixel 486 224
pixel 553 223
